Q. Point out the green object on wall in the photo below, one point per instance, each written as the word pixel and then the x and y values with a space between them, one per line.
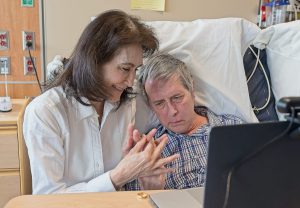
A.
pixel 27 3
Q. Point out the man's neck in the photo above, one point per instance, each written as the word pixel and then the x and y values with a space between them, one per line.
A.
pixel 198 122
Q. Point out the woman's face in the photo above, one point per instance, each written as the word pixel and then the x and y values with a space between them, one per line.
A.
pixel 119 73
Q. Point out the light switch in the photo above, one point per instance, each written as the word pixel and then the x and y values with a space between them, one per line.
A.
pixel 4 65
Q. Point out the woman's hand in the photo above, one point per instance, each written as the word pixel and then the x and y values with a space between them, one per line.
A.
pixel 142 160
pixel 133 136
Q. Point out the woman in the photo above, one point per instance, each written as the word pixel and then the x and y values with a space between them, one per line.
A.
pixel 75 130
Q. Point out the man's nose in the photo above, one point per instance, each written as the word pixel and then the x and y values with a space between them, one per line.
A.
pixel 172 109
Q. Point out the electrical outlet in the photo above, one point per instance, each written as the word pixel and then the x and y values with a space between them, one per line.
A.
pixel 4 65
pixel 28 66
pixel 28 37
pixel 4 40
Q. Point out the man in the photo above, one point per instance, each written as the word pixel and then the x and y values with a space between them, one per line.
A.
pixel 168 87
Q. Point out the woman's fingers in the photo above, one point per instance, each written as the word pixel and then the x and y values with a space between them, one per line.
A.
pixel 136 136
pixel 163 161
pixel 129 142
pixel 157 171
pixel 159 139
pixel 139 146
pixel 160 146
pixel 151 134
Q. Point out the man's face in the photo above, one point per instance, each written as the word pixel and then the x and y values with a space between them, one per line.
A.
pixel 172 103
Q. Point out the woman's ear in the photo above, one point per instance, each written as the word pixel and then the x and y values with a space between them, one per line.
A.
pixel 193 91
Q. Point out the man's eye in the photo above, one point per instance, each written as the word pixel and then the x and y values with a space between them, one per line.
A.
pixel 178 98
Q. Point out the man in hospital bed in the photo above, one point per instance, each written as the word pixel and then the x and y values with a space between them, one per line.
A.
pixel 168 86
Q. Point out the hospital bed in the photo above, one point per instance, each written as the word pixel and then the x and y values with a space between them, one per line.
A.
pixel 237 67
pixel 218 53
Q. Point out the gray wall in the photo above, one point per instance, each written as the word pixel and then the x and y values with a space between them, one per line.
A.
pixel 64 20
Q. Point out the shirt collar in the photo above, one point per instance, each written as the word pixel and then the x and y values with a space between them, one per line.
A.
pixel 84 111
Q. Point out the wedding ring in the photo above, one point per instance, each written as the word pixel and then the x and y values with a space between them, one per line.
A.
pixel 142 195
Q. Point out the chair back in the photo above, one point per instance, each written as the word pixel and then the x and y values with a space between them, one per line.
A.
pixel 25 173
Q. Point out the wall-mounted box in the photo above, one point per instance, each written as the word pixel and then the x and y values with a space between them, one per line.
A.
pixel 4 40
pixel 4 65
pixel 28 66
pixel 28 36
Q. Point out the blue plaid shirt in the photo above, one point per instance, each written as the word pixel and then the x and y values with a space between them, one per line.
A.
pixel 190 167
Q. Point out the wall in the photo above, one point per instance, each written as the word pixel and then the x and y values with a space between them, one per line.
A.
pixel 65 19
pixel 15 19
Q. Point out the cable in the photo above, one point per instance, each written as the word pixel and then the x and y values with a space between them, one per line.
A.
pixel 253 154
pixel 295 11
pixel 255 66
pixel 266 77
pixel 295 7
pixel 28 45
pixel 5 77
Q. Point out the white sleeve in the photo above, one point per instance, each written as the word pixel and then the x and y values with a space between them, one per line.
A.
pixel 44 140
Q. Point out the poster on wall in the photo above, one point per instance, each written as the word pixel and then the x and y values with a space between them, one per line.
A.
pixel 155 5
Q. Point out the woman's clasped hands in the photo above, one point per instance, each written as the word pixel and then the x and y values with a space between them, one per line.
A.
pixel 142 160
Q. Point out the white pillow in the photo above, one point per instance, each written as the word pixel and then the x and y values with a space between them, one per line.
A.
pixel 282 43
pixel 213 50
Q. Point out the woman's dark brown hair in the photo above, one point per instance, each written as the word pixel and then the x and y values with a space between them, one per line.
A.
pixel 97 45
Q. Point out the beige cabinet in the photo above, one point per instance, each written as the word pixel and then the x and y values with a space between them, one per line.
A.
pixel 10 152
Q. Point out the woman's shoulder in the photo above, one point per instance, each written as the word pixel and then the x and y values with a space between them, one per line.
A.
pixel 52 98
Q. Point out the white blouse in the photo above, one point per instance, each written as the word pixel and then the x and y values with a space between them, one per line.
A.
pixel 68 150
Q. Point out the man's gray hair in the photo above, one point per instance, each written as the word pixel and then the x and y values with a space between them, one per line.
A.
pixel 163 67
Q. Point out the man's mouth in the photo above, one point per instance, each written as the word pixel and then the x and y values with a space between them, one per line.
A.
pixel 176 123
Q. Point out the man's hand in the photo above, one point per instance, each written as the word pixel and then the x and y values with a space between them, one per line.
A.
pixel 154 182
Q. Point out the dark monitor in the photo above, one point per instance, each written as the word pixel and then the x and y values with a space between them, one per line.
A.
pixel 267 179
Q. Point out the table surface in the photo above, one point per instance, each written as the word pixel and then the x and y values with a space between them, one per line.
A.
pixel 10 118
pixel 87 200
